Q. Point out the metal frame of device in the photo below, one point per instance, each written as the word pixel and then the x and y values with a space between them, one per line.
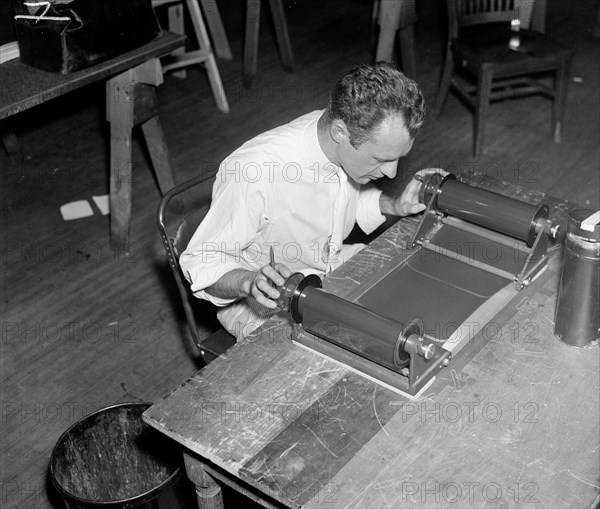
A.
pixel 535 245
pixel 399 355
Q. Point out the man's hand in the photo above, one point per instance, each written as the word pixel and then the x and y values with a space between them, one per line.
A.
pixel 262 284
pixel 408 202
pixel 240 283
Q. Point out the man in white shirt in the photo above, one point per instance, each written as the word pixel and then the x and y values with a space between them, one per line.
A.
pixel 299 189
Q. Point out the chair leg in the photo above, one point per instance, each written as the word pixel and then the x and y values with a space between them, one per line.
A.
pixel 407 51
pixel 560 98
pixel 385 44
pixel 445 82
pixel 373 29
pixel 216 85
pixel 281 33
pixel 388 17
pixel 251 41
pixel 484 88
pixel 214 77
pixel 217 31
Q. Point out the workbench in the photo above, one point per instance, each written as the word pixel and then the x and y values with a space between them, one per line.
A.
pixel 514 421
pixel 131 79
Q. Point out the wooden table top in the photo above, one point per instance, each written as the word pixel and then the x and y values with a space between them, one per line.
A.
pixel 514 421
pixel 24 86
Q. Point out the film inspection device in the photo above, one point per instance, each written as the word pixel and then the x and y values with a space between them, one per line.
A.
pixel 472 252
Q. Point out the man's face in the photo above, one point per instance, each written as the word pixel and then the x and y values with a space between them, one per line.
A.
pixel 378 157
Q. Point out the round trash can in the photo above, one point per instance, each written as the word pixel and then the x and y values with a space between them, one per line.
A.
pixel 112 459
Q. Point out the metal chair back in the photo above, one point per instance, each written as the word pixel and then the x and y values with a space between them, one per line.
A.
pixel 179 214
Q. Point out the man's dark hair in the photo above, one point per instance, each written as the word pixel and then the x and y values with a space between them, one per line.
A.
pixel 368 94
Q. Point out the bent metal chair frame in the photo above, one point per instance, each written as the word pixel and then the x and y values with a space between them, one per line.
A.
pixel 176 228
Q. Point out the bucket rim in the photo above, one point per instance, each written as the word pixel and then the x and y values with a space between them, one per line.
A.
pixel 138 499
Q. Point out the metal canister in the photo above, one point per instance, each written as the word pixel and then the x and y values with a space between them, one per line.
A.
pixel 577 318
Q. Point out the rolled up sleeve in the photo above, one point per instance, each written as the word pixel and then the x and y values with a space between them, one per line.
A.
pixel 368 212
pixel 217 246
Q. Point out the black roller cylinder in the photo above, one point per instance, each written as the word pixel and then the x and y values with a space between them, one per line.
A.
pixel 356 328
pixel 490 210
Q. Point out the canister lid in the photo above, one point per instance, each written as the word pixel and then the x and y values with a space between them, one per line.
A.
pixel 585 223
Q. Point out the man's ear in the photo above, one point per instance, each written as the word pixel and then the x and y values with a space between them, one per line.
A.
pixel 339 131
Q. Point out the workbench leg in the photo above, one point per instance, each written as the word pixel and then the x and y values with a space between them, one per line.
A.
pixel 119 112
pixel 131 100
pixel 208 492
pixel 159 153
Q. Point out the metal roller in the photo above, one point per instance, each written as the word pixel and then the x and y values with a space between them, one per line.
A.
pixel 351 326
pixel 485 208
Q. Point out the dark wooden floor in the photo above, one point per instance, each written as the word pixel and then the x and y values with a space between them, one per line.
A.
pixel 84 327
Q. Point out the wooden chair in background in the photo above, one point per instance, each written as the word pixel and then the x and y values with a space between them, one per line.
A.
pixel 493 42
pixel 251 38
pixel 204 55
pixel 180 212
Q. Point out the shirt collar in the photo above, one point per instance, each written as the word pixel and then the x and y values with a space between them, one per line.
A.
pixel 313 149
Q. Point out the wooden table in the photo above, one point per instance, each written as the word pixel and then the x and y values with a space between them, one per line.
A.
pixel 131 100
pixel 514 421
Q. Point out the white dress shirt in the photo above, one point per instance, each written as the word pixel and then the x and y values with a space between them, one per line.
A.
pixel 278 189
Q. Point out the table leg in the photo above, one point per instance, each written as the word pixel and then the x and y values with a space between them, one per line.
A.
pixel 159 153
pixel 130 101
pixel 208 492
pixel 119 112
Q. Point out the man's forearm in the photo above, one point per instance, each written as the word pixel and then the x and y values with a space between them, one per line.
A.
pixel 408 202
pixel 386 205
pixel 232 285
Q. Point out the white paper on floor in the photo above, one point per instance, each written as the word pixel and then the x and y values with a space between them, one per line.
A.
pixel 76 210
pixel 102 203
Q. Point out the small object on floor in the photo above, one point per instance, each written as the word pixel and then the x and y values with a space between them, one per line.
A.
pixel 102 204
pixel 76 210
